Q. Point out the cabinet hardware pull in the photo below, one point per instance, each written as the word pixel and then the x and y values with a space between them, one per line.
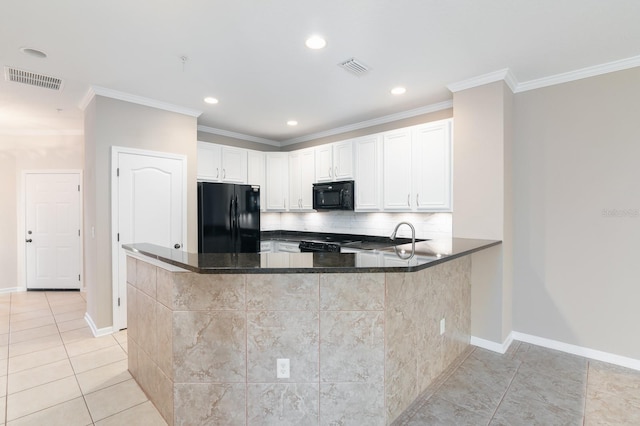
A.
pixel 418 199
pixel 224 173
pixel 409 200
pixel 336 171
pixel 217 172
pixel 330 171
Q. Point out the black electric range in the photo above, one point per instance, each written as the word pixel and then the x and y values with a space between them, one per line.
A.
pixel 331 244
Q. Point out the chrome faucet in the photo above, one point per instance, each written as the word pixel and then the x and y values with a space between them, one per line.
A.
pixel 413 239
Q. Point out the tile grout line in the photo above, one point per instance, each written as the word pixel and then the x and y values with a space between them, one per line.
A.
pixel 586 395
pixel 505 393
pixel 75 375
pixel 6 393
pixel 431 390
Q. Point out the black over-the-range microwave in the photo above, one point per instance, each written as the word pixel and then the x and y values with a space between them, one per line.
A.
pixel 333 195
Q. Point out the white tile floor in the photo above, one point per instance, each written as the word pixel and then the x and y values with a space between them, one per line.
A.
pixel 54 372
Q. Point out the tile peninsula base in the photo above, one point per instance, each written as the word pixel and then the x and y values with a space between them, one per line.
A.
pixel 361 346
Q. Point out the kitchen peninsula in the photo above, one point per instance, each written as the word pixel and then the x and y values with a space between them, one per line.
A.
pixel 361 331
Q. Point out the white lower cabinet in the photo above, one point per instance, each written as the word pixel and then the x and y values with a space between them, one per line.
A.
pixel 266 246
pixel 283 246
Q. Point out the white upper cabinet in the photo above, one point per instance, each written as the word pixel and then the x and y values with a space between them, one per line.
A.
pixel 368 173
pixel 301 178
pixel 219 163
pixel 256 174
pixel 334 161
pixel 432 166
pixel 417 168
pixel 397 169
pixel 277 181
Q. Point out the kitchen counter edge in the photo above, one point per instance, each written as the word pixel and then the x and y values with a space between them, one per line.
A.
pixel 250 263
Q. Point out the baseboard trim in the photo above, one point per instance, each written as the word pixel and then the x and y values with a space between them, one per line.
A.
pixel 97 332
pixel 12 290
pixel 500 348
pixel 594 354
pixel 579 350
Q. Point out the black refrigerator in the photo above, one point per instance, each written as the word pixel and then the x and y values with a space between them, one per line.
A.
pixel 228 218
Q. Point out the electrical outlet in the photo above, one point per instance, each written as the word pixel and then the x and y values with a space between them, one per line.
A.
pixel 442 326
pixel 282 368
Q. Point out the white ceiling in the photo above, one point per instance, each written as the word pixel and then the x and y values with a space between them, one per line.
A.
pixel 250 54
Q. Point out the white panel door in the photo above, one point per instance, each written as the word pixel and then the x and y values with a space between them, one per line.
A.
pixel 151 209
pixel 52 234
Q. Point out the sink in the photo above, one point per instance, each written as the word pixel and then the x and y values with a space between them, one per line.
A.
pixel 379 243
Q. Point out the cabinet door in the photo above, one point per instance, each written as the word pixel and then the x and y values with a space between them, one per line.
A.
pixel 432 167
pixel 343 160
pixel 209 159
pixel 295 201
pixel 307 177
pixel 324 163
pixel 301 178
pixel 368 172
pixel 234 165
pixel 256 174
pixel 277 180
pixel 397 170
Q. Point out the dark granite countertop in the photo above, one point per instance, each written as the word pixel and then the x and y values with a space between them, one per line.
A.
pixel 428 253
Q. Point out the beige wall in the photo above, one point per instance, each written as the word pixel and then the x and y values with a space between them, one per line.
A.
pixel 110 122
pixel 577 272
pixel 17 154
pixel 482 202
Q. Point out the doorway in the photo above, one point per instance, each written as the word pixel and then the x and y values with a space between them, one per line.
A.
pixel 148 206
pixel 52 230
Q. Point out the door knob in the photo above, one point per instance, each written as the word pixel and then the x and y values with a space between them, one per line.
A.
pixel 177 246
pixel 29 240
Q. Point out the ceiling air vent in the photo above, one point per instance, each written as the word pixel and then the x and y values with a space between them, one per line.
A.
pixel 354 66
pixel 31 78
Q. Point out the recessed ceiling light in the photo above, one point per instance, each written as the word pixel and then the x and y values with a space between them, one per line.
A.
pixel 398 90
pixel 292 123
pixel 210 100
pixel 315 42
pixel 33 52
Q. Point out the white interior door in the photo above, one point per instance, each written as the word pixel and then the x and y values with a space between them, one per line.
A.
pixel 52 231
pixel 151 208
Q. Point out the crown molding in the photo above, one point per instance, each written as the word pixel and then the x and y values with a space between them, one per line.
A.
pixel 504 74
pixel 235 135
pixel 587 72
pixel 135 99
pixel 370 123
pixel 552 80
pixel 86 99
